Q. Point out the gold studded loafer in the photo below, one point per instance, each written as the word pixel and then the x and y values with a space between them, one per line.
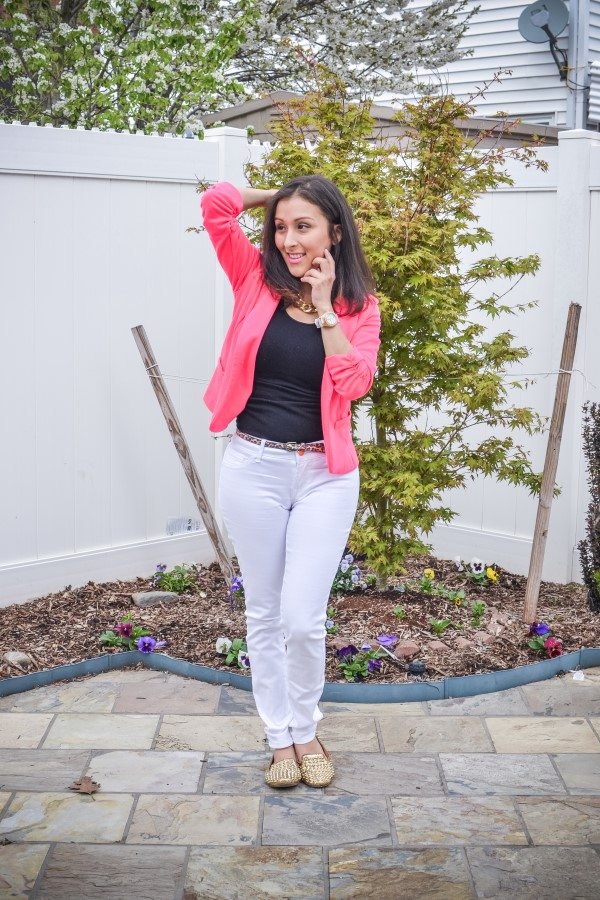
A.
pixel 317 769
pixel 285 773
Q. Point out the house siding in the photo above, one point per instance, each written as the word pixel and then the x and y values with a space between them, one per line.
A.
pixel 533 90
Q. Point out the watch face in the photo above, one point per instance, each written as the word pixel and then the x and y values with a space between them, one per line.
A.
pixel 330 318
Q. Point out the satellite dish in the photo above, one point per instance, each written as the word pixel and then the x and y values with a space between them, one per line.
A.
pixel 543 21
pixel 550 13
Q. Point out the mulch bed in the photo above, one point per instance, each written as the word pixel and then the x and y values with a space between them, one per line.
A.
pixel 64 627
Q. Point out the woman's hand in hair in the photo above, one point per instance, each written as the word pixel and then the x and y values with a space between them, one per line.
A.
pixel 256 196
pixel 321 277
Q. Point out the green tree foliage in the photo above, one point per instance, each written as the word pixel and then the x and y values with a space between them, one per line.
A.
pixel 439 405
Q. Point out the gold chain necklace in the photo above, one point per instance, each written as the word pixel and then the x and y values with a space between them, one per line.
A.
pixel 304 305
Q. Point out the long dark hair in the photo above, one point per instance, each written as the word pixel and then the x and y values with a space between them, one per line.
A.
pixel 353 281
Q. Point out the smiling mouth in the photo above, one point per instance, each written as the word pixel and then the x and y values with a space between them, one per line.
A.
pixel 295 258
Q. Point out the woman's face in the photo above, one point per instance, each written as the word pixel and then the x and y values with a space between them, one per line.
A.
pixel 301 233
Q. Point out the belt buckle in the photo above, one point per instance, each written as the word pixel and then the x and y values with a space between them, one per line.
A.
pixel 292 445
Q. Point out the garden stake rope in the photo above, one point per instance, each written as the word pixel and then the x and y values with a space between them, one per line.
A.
pixel 453 376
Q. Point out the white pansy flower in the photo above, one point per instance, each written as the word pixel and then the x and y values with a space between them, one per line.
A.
pixel 223 645
pixel 344 565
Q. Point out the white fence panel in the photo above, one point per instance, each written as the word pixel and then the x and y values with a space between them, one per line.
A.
pixel 93 242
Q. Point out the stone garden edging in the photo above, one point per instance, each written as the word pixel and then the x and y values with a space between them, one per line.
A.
pixel 341 692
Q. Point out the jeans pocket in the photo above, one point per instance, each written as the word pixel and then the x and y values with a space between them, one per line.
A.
pixel 234 458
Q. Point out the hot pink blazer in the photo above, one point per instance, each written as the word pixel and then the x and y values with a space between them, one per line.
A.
pixel 346 376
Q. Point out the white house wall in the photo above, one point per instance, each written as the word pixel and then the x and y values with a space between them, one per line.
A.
pixel 534 88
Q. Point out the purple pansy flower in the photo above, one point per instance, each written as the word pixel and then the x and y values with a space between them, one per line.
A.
pixel 161 567
pixel 345 652
pixel 244 659
pixel 124 628
pixel 147 644
pixel 365 648
pixel 539 628
pixel 374 665
pixel 387 640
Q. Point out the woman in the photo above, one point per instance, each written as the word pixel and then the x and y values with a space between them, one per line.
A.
pixel 289 483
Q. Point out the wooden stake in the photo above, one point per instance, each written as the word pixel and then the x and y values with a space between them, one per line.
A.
pixel 550 465
pixel 185 456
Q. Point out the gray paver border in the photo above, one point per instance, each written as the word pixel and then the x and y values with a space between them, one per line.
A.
pixel 453 686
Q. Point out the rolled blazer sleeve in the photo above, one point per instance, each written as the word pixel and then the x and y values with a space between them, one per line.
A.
pixel 352 373
pixel 221 204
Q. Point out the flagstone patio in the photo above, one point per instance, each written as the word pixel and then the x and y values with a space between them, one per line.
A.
pixel 489 796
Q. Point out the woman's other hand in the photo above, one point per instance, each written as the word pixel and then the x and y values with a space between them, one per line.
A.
pixel 321 276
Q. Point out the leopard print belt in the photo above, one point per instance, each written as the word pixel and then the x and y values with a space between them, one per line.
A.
pixel 318 447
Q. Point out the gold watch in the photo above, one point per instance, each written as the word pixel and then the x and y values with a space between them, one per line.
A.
pixel 327 320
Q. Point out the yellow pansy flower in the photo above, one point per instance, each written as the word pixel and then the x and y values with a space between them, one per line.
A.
pixel 429 573
pixel 491 574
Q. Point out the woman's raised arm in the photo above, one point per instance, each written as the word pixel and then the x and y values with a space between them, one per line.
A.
pixel 221 204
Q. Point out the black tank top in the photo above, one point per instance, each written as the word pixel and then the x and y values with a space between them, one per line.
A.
pixel 285 403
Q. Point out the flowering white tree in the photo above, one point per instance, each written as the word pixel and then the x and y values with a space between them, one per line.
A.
pixel 373 45
pixel 158 65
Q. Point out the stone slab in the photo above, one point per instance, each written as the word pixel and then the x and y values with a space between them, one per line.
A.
pixel 19 729
pixel 234 702
pixel 500 703
pixel 102 732
pixel 569 820
pixel 434 734
pixel 564 697
pixel 41 770
pixel 89 872
pixel 229 873
pixel 128 675
pixel 580 771
pixel 77 696
pixel 325 821
pixel 100 818
pixel 173 695
pixel 531 873
pixel 450 821
pixel 145 771
pixel 537 735
pixel 211 733
pixel 354 733
pixel 500 773
pixel 377 873
pixel 19 867
pixel 189 819
pixel 243 773
pixel 377 774
pixel 374 709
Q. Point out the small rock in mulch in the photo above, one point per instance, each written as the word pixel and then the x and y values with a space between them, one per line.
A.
pixel 483 637
pixel 406 649
pixel 17 658
pixel 142 599
pixel 462 642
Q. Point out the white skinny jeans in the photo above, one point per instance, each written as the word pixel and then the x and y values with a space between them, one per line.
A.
pixel 288 519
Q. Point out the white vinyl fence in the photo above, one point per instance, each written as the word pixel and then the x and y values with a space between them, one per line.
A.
pixel 94 240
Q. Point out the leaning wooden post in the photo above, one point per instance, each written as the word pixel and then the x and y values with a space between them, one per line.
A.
pixel 185 456
pixel 550 465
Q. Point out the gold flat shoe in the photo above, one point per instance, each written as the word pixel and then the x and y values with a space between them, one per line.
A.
pixel 285 773
pixel 316 769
